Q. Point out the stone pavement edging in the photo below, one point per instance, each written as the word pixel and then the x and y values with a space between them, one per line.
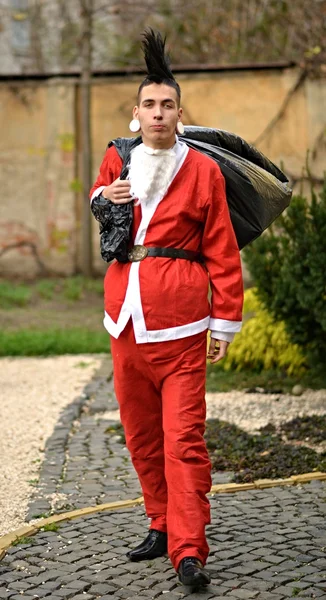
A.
pixel 27 530
pixel 30 529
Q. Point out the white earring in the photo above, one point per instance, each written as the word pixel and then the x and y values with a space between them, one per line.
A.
pixel 134 126
pixel 180 127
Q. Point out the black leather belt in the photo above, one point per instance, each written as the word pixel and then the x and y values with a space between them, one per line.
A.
pixel 137 253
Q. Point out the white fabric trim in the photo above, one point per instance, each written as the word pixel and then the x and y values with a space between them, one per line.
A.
pixel 97 192
pixel 175 333
pixel 132 306
pixel 222 335
pixel 115 328
pixel 223 325
pixel 159 335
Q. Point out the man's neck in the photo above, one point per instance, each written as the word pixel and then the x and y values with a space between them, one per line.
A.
pixel 158 146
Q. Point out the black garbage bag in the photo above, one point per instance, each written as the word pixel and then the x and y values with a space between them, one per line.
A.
pixel 257 191
pixel 116 219
pixel 115 227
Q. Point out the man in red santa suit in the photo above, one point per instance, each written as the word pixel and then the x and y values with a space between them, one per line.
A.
pixel 157 313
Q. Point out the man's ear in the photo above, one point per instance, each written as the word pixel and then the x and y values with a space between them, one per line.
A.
pixel 180 111
pixel 135 112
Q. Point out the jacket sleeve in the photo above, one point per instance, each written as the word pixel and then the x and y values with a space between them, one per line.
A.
pixel 222 259
pixel 109 172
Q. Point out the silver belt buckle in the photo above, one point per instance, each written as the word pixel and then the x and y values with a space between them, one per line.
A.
pixel 137 253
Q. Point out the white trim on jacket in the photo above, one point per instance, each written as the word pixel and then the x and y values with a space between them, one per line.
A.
pixel 132 306
pixel 97 192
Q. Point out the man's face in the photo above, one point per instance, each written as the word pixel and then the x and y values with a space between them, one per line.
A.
pixel 158 114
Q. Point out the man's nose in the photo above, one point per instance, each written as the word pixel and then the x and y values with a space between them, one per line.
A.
pixel 158 113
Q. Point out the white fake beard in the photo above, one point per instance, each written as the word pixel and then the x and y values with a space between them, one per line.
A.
pixel 150 172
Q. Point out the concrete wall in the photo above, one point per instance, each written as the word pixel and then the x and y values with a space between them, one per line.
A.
pixel 39 160
pixel 37 166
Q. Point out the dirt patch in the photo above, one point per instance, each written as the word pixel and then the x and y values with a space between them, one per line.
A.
pixel 86 313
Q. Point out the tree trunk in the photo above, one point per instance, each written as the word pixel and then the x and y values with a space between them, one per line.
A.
pixel 85 133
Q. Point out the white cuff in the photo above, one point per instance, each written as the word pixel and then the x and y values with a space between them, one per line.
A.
pixel 97 192
pixel 224 326
pixel 222 335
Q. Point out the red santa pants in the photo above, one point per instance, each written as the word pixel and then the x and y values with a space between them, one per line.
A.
pixel 160 388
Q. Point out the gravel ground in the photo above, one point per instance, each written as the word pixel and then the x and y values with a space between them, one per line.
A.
pixel 252 411
pixel 33 393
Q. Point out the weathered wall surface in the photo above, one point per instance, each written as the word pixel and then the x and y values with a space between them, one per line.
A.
pixel 37 211
pixel 40 205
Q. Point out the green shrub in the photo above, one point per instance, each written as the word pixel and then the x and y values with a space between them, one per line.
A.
pixel 263 343
pixel 287 264
pixel 260 455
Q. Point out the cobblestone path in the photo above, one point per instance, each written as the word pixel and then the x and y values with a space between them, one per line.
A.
pixel 266 544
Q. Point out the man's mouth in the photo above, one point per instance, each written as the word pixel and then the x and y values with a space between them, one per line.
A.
pixel 158 127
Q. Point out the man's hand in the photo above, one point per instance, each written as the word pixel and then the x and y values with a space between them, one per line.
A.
pixel 118 192
pixel 217 350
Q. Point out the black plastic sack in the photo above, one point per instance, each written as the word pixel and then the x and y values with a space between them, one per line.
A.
pixel 115 227
pixel 116 219
pixel 257 191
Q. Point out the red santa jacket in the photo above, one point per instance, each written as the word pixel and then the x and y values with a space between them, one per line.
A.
pixel 168 298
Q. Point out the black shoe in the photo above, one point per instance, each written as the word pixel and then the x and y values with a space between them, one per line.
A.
pixel 154 545
pixel 191 572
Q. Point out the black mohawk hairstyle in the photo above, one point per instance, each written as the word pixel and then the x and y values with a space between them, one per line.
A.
pixel 157 61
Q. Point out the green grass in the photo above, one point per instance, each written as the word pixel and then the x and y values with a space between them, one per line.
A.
pixel 83 364
pixel 116 429
pixel 70 288
pixel 52 317
pixel 33 481
pixel 14 295
pixel 219 380
pixel 45 288
pixel 73 288
pixel 23 540
pixel 51 527
pixel 52 342
pixel 44 515
pixel 95 286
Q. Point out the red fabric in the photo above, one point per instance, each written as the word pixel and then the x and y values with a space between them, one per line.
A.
pixel 161 392
pixel 193 215
pixel 109 170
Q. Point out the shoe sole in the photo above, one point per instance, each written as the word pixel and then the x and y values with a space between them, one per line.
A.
pixel 140 558
pixel 196 582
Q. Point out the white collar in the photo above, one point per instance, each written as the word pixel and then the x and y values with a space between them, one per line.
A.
pixel 161 151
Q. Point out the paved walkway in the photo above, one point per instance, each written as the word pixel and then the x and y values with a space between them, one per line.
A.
pixel 266 544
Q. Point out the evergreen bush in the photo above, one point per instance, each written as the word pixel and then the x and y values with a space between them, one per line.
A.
pixel 288 267
pixel 263 344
